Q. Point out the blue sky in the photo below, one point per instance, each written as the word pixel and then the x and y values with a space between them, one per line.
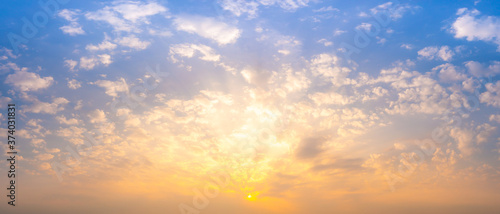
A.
pixel 290 98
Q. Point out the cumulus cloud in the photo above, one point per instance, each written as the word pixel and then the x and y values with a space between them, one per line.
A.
pixel 72 30
pixel 471 26
pixel 188 50
pixel 27 81
pixel 74 84
pixel 479 70
pixel 38 106
pixel 240 7
pixel 407 46
pixel 325 42
pixel 393 10
pixel 74 27
pixel 88 63
pixel 105 45
pixel 449 73
pixel 492 94
pixel 433 52
pixel 364 26
pixel 495 117
pixel 71 64
pixel 97 116
pixel 112 88
pixel 62 120
pixel 209 28
pixel 133 42
pixel 126 16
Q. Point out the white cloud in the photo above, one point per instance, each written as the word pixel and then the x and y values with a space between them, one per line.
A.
pixel 407 46
pixel 97 116
pixel 449 73
pixel 381 40
pixel 492 94
pixel 325 42
pixel 326 9
pixel 134 11
pixel 74 84
pixel 72 30
pixel 133 42
pixel 105 45
pixel 62 120
pixel 7 54
pixel 495 117
pixel 364 26
pixel 126 16
pixel 71 64
pixel 208 28
pixel 189 50
pixel 38 106
pixel 339 32
pixel 479 70
pixel 74 27
pixel 165 33
pixel 287 44
pixel 69 15
pixel 89 63
pixel 240 7
pixel 434 52
pixel 27 81
pixel 468 25
pixel 285 4
pixel 395 11
pixel 112 88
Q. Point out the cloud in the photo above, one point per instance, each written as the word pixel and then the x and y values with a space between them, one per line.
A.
pixel 89 63
pixel 339 32
pixel 133 42
pixel 310 148
pixel 449 73
pixel 71 64
pixel 479 70
pixel 74 84
pixel 434 52
pixel 325 42
pixel 495 117
pixel 287 44
pixel 112 88
pixel 27 81
pixel 326 9
pixel 126 16
pixel 105 45
pixel 364 26
pixel 208 28
pixel 69 15
pixel 395 11
pixel 7 53
pixel 189 50
pixel 72 30
pixel 492 94
pixel 134 11
pixel 74 27
pixel 407 46
pixel 38 106
pixel 473 28
pixel 240 7
pixel 97 116
pixel 62 120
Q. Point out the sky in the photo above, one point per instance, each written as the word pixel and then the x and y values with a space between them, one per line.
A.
pixel 252 106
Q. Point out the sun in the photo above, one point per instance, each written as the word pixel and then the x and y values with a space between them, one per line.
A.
pixel 249 196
